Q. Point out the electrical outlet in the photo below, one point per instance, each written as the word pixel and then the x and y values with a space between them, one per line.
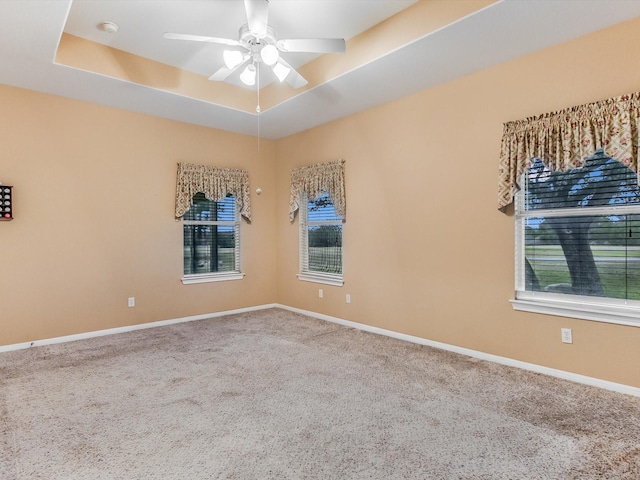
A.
pixel 567 336
pixel 132 301
pixel 348 298
pixel 320 293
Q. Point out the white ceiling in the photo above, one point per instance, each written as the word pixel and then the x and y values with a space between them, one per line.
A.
pixel 31 29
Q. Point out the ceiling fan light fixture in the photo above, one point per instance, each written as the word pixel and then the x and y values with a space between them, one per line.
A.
pixel 281 71
pixel 269 54
pixel 259 44
pixel 232 58
pixel 248 75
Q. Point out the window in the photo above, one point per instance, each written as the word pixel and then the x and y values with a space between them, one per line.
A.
pixel 578 241
pixel 211 240
pixel 320 241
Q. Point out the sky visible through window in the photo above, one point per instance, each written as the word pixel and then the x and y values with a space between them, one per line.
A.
pixel 321 209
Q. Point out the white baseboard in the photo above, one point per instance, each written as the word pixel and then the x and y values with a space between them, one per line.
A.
pixel 573 377
pixel 129 328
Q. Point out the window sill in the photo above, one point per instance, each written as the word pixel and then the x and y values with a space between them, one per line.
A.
pixel 214 277
pixel 618 314
pixel 326 278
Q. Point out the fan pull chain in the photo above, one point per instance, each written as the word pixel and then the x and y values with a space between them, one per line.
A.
pixel 258 106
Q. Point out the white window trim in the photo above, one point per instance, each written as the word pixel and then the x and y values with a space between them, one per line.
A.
pixel 218 276
pixel 601 312
pixel 212 277
pixel 326 278
pixel 306 275
pixel 601 309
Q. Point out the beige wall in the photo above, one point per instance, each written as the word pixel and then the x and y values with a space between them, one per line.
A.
pixel 94 218
pixel 426 251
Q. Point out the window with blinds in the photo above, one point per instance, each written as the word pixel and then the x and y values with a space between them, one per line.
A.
pixel 320 241
pixel 211 237
pixel 578 234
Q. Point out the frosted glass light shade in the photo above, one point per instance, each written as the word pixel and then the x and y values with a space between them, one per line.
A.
pixel 232 58
pixel 281 71
pixel 269 54
pixel 248 76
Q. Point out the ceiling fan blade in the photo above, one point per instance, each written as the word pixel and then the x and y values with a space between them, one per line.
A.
pixel 223 73
pixel 200 38
pixel 294 78
pixel 312 45
pixel 257 16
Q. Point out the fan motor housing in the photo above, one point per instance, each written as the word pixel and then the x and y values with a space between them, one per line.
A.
pixel 249 40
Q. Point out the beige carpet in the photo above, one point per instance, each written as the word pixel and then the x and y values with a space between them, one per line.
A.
pixel 276 395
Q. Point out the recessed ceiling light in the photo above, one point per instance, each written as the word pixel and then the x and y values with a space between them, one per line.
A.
pixel 109 27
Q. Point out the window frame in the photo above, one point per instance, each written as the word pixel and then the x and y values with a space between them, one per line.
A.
pixel 602 309
pixel 237 274
pixel 304 273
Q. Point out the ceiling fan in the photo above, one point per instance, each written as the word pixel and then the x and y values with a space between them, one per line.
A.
pixel 258 43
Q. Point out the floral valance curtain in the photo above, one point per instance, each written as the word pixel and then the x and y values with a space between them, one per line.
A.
pixel 316 179
pixel 564 139
pixel 215 183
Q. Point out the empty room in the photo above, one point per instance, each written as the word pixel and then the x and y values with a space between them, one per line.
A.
pixel 291 239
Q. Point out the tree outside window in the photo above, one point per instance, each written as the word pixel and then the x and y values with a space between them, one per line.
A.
pixel 579 230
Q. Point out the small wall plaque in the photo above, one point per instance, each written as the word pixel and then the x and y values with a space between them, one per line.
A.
pixel 6 203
